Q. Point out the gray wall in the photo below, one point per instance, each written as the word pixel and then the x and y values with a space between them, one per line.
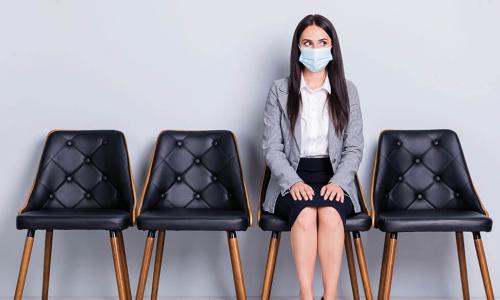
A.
pixel 141 67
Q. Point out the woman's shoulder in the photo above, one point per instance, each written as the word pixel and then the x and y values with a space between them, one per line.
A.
pixel 281 84
pixel 352 91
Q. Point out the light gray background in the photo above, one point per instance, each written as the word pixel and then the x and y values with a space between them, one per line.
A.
pixel 141 67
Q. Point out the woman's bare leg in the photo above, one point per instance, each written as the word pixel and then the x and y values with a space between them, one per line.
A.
pixel 330 248
pixel 304 241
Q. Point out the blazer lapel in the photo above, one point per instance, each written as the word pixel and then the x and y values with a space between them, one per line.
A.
pixel 283 99
pixel 333 139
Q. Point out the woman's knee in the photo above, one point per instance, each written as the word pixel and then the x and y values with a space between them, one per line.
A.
pixel 307 218
pixel 329 217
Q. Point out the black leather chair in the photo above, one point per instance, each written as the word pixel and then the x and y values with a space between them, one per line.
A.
pixel 421 183
pixel 354 224
pixel 195 182
pixel 83 182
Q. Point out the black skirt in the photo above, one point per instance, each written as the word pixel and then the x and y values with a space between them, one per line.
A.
pixel 315 172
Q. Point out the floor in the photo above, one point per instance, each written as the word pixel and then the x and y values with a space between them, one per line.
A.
pixel 228 298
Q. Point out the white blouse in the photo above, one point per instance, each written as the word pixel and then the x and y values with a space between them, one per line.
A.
pixel 314 118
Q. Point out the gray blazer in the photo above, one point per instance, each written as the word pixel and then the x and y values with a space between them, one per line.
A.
pixel 282 152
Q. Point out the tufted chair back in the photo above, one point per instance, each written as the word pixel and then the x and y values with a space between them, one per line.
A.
pixel 83 169
pixel 422 170
pixel 195 170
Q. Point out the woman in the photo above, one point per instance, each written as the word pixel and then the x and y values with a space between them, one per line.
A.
pixel 313 166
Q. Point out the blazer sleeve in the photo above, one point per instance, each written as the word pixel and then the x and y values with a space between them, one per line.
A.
pixel 353 142
pixel 273 145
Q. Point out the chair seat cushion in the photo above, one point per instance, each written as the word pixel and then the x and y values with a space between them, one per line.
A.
pixel 67 219
pixel 355 222
pixel 434 220
pixel 193 219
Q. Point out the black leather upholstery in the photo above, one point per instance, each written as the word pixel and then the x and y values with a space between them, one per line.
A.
pixel 83 182
pixel 271 222
pixel 195 182
pixel 421 183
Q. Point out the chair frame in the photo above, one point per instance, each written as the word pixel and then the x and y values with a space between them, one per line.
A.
pixel 117 250
pixel 234 251
pixel 358 244
pixel 390 245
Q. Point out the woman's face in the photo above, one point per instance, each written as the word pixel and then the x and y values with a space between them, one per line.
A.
pixel 314 37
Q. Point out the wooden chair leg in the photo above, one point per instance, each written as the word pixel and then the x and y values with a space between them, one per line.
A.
pixel 363 269
pixel 123 257
pixel 462 264
pixel 23 269
pixel 391 256
pixel 46 264
pixel 239 282
pixel 383 268
pixel 271 264
pixel 157 267
pixel 146 260
pixel 351 265
pixel 483 266
pixel 120 279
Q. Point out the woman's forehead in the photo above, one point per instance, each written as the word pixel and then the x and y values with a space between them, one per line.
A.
pixel 313 32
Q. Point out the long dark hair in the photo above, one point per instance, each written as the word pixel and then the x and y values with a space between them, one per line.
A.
pixel 338 100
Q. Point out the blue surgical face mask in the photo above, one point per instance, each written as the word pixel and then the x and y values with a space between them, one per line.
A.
pixel 315 59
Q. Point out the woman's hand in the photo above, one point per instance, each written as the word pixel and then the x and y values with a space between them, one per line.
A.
pixel 331 191
pixel 301 190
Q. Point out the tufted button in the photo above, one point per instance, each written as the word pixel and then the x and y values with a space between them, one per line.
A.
pixel 51 196
pixel 69 179
pixel 104 178
pixel 436 142
pixel 105 141
pixel 179 143
pixel 399 143
pixel 69 143
pixel 178 178
pixel 400 178
pixel 229 195
pixel 87 160
pixel 419 196
pixel 438 178
pixel 216 143
pixel 163 195
pixel 214 178
pixel 197 196
pixel 386 196
pixel 417 160
pixel 197 161
pixel 87 195
pixel 457 194
pixel 334 160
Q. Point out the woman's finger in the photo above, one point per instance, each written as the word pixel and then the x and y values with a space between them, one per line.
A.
pixel 333 195
pixel 304 194
pixel 322 191
pixel 326 193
